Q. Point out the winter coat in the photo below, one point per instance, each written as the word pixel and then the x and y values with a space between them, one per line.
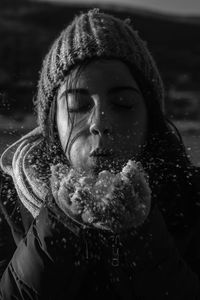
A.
pixel 51 257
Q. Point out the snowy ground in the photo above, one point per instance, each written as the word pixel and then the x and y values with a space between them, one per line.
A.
pixel 11 130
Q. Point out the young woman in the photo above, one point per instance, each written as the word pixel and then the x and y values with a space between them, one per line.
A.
pixel 100 104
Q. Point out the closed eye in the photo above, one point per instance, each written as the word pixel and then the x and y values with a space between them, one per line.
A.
pixel 79 103
pixel 125 102
pixel 80 109
pixel 122 106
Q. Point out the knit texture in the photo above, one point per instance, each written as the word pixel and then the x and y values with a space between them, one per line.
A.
pixel 95 35
pixel 31 185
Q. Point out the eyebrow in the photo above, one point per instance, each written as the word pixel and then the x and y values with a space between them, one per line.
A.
pixel 123 88
pixel 113 90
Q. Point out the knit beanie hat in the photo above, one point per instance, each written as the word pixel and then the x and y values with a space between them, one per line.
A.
pixel 94 34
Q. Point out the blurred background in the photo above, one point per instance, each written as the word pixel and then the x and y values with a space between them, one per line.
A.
pixel 170 28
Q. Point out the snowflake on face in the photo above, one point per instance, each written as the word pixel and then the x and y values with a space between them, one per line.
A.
pixel 109 201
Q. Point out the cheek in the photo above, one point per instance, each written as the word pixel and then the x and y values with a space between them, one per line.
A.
pixel 133 130
pixel 140 129
pixel 79 152
pixel 79 148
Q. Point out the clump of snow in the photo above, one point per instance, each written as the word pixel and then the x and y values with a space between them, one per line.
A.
pixel 109 201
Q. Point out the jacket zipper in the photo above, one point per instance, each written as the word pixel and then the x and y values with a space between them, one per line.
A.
pixel 115 250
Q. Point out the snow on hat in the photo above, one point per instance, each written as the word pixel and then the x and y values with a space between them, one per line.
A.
pixel 94 34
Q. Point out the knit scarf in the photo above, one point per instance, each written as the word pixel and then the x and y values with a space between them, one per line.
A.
pixel 31 185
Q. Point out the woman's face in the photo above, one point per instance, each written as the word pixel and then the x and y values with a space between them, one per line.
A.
pixel 109 113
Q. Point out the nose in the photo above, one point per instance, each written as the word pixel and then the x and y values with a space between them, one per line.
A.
pixel 99 125
pixel 98 130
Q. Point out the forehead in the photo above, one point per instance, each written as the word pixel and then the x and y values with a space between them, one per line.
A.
pixel 108 73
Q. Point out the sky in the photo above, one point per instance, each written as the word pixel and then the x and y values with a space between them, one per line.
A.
pixel 169 6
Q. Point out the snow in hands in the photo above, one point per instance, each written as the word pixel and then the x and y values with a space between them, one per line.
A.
pixel 114 202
